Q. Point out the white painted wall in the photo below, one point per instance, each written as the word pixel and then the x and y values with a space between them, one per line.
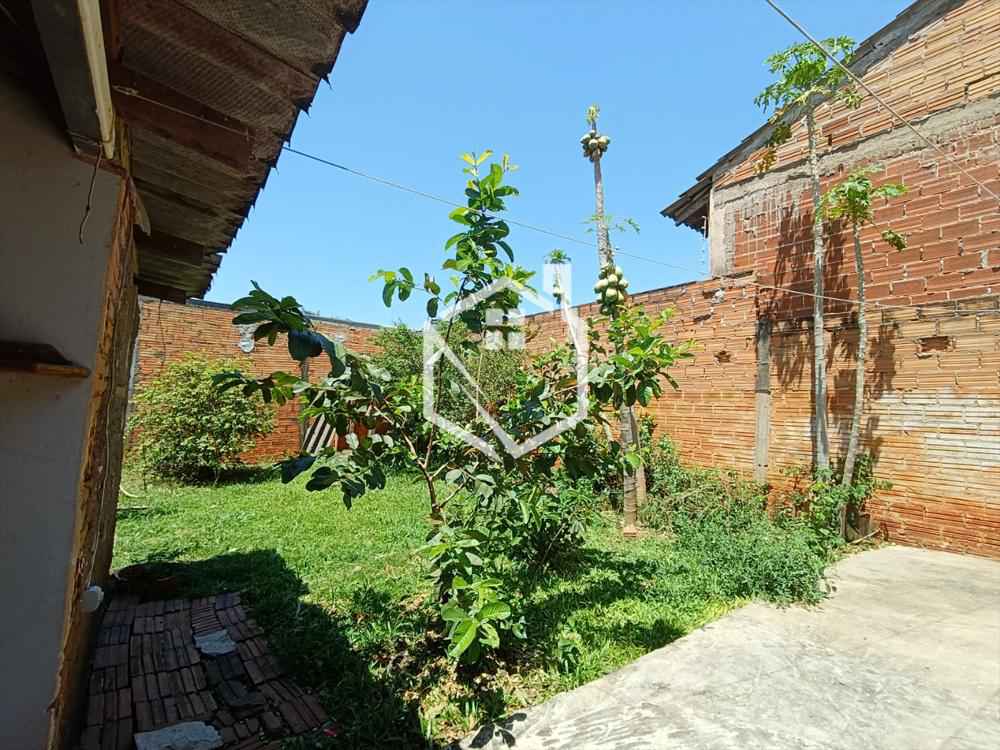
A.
pixel 51 291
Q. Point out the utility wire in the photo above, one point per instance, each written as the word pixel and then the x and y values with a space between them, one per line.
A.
pixel 532 227
pixel 430 196
pixel 569 238
pixel 937 147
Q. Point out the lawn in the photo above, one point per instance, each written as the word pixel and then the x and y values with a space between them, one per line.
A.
pixel 343 598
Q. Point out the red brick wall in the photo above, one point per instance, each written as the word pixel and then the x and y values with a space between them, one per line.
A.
pixel 711 417
pixel 948 63
pixel 932 413
pixel 167 331
pixel 931 416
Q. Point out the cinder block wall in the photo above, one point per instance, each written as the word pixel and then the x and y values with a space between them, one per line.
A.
pixel 168 331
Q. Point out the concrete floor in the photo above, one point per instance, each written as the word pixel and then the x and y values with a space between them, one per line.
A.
pixel 905 654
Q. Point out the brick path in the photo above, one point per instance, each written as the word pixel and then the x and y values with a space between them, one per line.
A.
pixel 147 674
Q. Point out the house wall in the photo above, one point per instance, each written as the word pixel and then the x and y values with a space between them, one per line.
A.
pixel 933 365
pixel 169 331
pixel 53 291
pixel 932 377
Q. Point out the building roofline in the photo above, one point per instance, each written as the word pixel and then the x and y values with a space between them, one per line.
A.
pixel 692 204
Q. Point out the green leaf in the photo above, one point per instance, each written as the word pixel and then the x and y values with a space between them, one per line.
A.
pixel 249 318
pixel 387 292
pixel 489 636
pixel 460 215
pixel 495 611
pixel 322 479
pixel 462 637
pixel 645 395
pixel 432 307
pixel 451 612
pixel 292 467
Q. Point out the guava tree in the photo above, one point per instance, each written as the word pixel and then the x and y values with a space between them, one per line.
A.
pixel 851 200
pixel 611 289
pixel 805 79
pixel 488 508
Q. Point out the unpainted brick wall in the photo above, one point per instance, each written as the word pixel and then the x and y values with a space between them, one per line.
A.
pixel 711 416
pixel 168 331
pixel 951 225
pixel 932 382
pixel 948 63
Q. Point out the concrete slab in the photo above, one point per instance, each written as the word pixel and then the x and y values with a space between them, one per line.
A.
pixel 905 654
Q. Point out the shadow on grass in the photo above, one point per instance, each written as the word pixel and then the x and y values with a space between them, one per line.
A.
pixel 308 640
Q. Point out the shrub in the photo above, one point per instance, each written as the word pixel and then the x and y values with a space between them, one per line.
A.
pixel 725 534
pixel 400 352
pixel 820 499
pixel 183 427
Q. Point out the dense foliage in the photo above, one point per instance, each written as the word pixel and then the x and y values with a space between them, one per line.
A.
pixel 500 511
pixel 183 427
pixel 722 525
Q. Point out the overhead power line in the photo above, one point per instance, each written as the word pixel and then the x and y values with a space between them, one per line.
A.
pixel 532 227
pixel 577 240
pixel 937 147
pixel 430 196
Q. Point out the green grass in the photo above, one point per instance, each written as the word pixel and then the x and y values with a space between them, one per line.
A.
pixel 343 599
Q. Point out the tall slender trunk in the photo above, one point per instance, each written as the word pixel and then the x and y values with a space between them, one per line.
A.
pixel 605 255
pixel 822 451
pixel 859 367
pixel 627 422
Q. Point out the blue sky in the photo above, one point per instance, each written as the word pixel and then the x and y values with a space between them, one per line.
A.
pixel 420 82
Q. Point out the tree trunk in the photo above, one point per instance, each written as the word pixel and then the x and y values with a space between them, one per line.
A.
pixel 630 506
pixel 859 367
pixel 605 256
pixel 628 434
pixel 822 451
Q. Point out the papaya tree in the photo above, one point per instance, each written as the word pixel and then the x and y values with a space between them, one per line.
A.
pixel 805 79
pixel 485 506
pixel 851 200
pixel 612 288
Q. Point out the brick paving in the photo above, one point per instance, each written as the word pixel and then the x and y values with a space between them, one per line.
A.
pixel 148 674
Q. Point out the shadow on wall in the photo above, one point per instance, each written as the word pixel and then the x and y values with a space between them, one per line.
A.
pixel 792 357
pixel 307 640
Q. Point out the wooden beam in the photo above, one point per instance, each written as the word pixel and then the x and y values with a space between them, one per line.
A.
pixel 172 248
pixel 60 28
pixel 152 106
pixel 148 288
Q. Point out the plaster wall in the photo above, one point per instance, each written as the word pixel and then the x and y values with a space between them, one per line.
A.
pixel 51 291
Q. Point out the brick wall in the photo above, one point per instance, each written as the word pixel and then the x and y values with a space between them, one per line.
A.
pixel 711 417
pixel 946 64
pixel 932 412
pixel 167 331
